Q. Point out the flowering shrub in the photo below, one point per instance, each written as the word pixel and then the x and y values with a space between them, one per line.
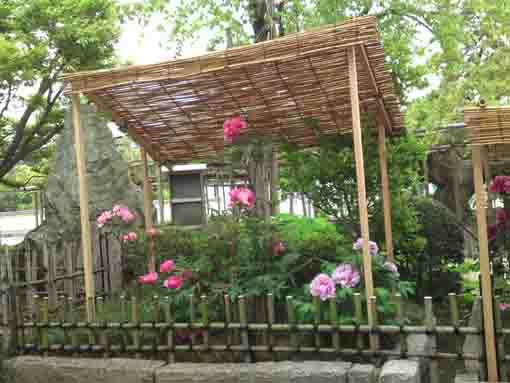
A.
pixel 120 221
pixel 342 280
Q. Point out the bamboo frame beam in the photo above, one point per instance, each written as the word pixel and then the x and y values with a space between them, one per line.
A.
pixel 88 264
pixel 147 207
pixel 385 184
pixel 488 309
pixel 373 79
pixel 360 177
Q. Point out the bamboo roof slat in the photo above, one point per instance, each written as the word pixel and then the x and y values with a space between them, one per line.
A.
pixel 489 126
pixel 176 109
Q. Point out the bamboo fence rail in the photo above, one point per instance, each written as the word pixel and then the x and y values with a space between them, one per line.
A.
pixel 176 109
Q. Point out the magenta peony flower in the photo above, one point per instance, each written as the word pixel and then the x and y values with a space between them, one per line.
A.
pixel 148 279
pixel 346 275
pixel 279 248
pixel 323 286
pixel 500 184
pixel 173 282
pixel 125 215
pixel 492 232
pixel 372 246
pixel 167 266
pixel 504 306
pixel 103 218
pixel 132 236
pixel 234 196
pixel 501 216
pixel 232 128
pixel 246 198
pixel 242 196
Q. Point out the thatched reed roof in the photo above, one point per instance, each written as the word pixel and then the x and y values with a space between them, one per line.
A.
pixel 490 127
pixel 176 109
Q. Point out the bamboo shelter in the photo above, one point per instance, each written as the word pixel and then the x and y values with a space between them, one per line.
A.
pixel 175 110
pixel 489 135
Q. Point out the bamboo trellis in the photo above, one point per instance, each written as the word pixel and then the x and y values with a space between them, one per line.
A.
pixel 175 110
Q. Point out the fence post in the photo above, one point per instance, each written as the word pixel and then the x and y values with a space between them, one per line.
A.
pixel 10 326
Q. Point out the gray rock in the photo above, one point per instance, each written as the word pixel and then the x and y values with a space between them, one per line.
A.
pixel 400 371
pixel 362 373
pixel 285 372
pixel 466 378
pixel 29 369
pixel 107 177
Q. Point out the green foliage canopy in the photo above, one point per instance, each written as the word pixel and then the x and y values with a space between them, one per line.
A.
pixel 39 40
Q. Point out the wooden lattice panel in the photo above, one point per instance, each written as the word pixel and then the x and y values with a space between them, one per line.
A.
pixel 176 109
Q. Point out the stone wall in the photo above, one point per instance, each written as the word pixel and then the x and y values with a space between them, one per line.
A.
pixel 27 369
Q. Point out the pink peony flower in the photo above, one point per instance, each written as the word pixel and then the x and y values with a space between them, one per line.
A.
pixel 234 196
pixel 242 196
pixel 153 232
pixel 117 208
pixel 186 274
pixel 346 276
pixel 323 286
pixel 103 218
pixel 148 279
pixel 372 246
pixel 504 306
pixel 174 282
pixel 125 215
pixel 279 248
pixel 246 198
pixel 501 216
pixel 500 184
pixel 232 128
pixel 167 266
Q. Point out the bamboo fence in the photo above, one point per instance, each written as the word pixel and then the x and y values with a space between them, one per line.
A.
pixel 155 334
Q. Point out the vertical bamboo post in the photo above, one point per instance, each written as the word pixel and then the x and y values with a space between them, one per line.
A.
pixel 275 182
pixel 81 166
pixel 360 177
pixel 243 320
pixel 488 309
pixel 147 207
pixel 430 323
pixel 160 195
pixel 35 200
pixel 383 164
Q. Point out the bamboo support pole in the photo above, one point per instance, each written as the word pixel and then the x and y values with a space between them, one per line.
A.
pixel 275 182
pixel 481 219
pixel 35 200
pixel 385 183
pixel 360 177
pixel 81 165
pixel 160 194
pixel 147 207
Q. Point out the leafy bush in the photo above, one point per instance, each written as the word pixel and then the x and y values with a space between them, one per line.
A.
pixel 443 245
